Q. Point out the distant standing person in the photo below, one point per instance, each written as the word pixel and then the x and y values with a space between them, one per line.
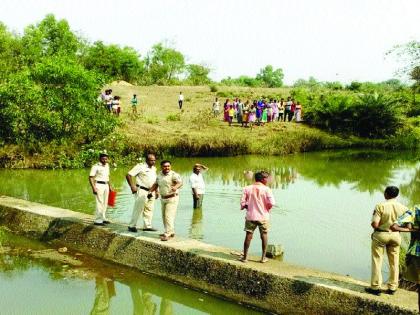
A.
pixel 99 181
pixel 216 107
pixel 258 200
pixel 145 174
pixel 298 112
pixel 288 110
pixel 134 103
pixel 168 183
pixel 383 238
pixel 180 100
pixel 197 185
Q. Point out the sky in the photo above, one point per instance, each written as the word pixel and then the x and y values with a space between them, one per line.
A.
pixel 331 40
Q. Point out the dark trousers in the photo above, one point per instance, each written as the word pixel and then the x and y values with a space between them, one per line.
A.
pixel 280 118
pixel 286 114
pixel 198 202
pixel 180 104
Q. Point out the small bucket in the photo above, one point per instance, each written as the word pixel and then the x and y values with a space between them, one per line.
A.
pixel 112 198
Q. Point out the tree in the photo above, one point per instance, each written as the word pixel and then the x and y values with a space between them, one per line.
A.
pixel 114 62
pixel 50 37
pixel 164 64
pixel 408 54
pixel 270 77
pixel 198 74
pixel 10 53
pixel 52 101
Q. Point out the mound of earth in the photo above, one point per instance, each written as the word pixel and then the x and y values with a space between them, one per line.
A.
pixel 121 83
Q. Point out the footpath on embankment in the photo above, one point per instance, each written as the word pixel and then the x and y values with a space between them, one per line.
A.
pixel 275 287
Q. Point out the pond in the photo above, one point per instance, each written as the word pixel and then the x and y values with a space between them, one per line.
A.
pixel 324 201
pixel 35 279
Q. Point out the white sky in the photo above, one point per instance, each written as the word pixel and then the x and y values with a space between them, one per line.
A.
pixel 341 40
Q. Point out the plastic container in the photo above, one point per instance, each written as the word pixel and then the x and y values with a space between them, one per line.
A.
pixel 112 197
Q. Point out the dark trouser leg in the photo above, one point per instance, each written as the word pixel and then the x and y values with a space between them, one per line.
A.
pixel 180 104
pixel 286 113
pixel 198 202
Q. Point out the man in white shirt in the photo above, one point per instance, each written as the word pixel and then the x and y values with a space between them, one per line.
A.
pixel 180 100
pixel 145 174
pixel 197 185
pixel 99 181
pixel 168 183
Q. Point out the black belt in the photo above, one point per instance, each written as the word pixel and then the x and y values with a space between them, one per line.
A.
pixel 101 182
pixel 142 187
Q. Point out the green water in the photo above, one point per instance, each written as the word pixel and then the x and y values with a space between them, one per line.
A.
pixel 34 285
pixel 324 201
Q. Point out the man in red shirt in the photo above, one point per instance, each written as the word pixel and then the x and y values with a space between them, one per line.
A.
pixel 257 199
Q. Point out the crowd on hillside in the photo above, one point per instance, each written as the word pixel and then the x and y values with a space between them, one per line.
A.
pixel 111 103
pixel 259 112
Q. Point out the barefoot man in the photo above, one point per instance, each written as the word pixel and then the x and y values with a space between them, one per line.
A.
pixel 257 199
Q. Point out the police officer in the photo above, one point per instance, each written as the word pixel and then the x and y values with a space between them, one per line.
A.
pixel 145 174
pixel 99 181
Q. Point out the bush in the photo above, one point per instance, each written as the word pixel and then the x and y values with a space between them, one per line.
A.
pixel 174 117
pixel 369 115
pixel 52 101
pixel 213 88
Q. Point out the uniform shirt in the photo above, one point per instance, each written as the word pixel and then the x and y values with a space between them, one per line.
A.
pixel 181 97
pixel 100 172
pixel 413 217
pixel 387 212
pixel 165 182
pixel 259 200
pixel 145 175
pixel 197 182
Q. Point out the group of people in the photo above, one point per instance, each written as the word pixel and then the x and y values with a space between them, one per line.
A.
pixel 389 219
pixel 147 185
pixel 259 112
pixel 111 103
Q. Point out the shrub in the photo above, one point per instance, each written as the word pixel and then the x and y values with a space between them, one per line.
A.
pixel 174 117
pixel 213 88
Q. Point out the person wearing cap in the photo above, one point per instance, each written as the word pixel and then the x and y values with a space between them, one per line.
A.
pixel 385 239
pixel 168 183
pixel 145 174
pixel 99 181
pixel 197 185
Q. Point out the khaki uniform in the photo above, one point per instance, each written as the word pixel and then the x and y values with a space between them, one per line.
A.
pixel 145 177
pixel 169 205
pixel 101 175
pixel 386 213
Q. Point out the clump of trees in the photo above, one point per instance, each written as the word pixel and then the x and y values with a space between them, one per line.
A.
pixel 47 94
pixel 267 77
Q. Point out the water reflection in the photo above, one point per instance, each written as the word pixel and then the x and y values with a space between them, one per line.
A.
pixel 94 287
pixel 104 291
pixel 196 227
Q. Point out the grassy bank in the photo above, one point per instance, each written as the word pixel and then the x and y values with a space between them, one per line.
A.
pixel 161 127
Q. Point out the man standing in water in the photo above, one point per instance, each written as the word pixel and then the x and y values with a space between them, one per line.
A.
pixel 145 174
pixel 383 238
pixel 168 183
pixel 258 200
pixel 99 181
pixel 197 185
